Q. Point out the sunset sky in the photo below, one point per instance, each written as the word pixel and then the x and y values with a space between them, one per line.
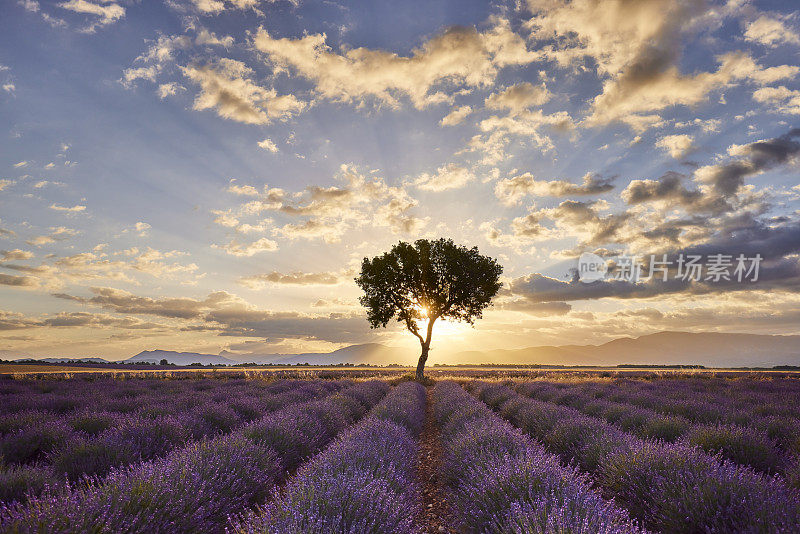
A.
pixel 206 175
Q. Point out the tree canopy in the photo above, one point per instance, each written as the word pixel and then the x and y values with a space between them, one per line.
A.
pixel 428 280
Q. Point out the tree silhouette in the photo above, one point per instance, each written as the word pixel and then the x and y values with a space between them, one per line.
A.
pixel 427 281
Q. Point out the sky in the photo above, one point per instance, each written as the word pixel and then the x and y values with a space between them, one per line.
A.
pixel 207 175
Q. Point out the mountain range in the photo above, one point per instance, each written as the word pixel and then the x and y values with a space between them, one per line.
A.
pixel 662 348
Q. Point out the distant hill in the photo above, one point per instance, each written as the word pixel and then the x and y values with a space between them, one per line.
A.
pixel 179 358
pixel 367 353
pixel 662 348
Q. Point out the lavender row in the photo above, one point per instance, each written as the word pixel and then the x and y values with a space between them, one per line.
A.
pixel 209 408
pixel 364 482
pixel 197 487
pixel 709 400
pixel 91 444
pixel 773 397
pixel 501 481
pixel 740 444
pixel 60 397
pixel 676 413
pixel 48 452
pixel 670 487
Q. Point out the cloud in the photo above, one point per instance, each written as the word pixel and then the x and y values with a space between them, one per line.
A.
pixel 15 321
pixel 121 301
pixel 95 320
pixel 328 212
pixel 227 87
pixel 16 254
pixel 513 190
pixel 215 7
pixel 17 281
pixel 519 97
pixel 72 209
pixel 107 12
pixel 235 248
pixel 450 176
pixel 782 99
pixel 32 6
pixel 300 278
pixel 456 116
pixel 636 48
pixel 726 179
pixel 708 125
pixel 9 87
pixel 207 38
pixel 334 327
pixel 166 90
pixel 141 228
pixel 56 271
pixel 677 145
pixel 638 93
pixel 771 32
pixel 20 164
pixel 5 183
pixel 539 309
pixel 267 144
pixel 224 314
pixel 667 188
pixel 461 57
pixel 520 121
pixel 780 271
pixel 720 185
pixel 57 233
pixel 243 190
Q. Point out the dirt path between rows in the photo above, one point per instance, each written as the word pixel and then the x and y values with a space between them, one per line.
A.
pixel 434 505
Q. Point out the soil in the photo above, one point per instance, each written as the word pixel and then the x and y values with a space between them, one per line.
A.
pixel 434 505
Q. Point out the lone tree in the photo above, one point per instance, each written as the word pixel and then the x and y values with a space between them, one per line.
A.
pixel 426 281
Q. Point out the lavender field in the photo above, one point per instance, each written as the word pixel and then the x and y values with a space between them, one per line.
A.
pixel 544 453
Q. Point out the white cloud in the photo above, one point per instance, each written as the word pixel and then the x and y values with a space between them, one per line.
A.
pixel 139 73
pixel 326 212
pixel 259 281
pixel 72 209
pixel 519 97
pixel 782 99
pixel 57 233
pixel 627 99
pixel 235 248
pixel 268 144
pixel 20 164
pixel 5 183
pixel 450 176
pixel 142 228
pixel 169 89
pixel 243 190
pixel 460 56
pixel 228 88
pixel 16 254
pixel 771 32
pixel 205 37
pixel 456 116
pixel 677 145
pixel 636 48
pixel 107 11
pixel 32 6
pixel 513 190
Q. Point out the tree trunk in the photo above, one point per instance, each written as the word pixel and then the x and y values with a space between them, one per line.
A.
pixel 421 364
